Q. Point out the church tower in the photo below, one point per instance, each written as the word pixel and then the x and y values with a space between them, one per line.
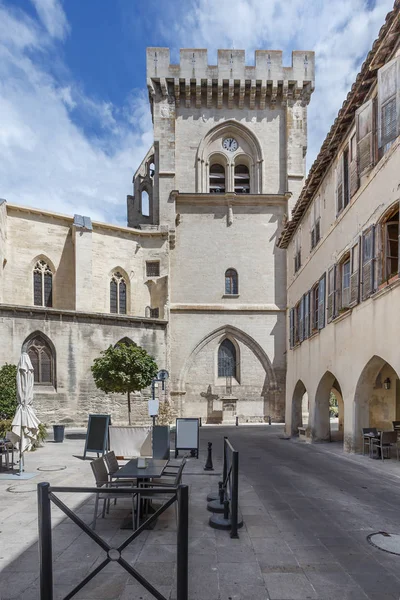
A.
pixel 226 167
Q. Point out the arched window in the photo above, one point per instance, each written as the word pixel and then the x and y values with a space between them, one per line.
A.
pixel 227 359
pixel 242 179
pixel 118 294
pixel 217 179
pixel 42 360
pixel 42 284
pixel 231 282
pixel 145 204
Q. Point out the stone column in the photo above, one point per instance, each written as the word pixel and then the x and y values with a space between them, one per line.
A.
pixel 82 237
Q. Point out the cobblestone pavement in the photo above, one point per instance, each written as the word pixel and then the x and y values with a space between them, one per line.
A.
pixel 307 513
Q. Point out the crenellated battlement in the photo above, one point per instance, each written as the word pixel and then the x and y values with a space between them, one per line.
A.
pixel 195 82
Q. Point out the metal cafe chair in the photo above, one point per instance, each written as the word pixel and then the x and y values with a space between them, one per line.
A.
pixel 112 467
pixel 167 480
pixel 102 481
pixel 384 442
pixel 368 434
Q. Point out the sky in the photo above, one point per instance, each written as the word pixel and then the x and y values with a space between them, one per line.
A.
pixel 74 115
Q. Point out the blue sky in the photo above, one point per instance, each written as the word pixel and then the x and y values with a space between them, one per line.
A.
pixel 74 117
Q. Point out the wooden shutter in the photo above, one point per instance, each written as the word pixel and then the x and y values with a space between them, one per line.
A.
pixel 338 291
pixel 388 102
pixel 122 298
pixel 331 293
pixel 365 147
pixel 48 289
pixel 353 166
pixel 37 289
pixel 367 247
pixel 355 274
pixel 321 303
pixel 306 315
pixel 301 320
pixel 339 185
pixel 113 296
pixel 378 263
pixel 346 188
pixel 291 327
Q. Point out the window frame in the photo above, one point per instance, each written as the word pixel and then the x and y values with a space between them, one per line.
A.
pixel 231 282
pixel 38 344
pixel 44 272
pixel 149 265
pixel 227 342
pixel 121 299
pixel 210 176
pixel 315 215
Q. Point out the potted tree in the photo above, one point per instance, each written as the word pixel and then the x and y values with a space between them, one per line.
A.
pixel 123 369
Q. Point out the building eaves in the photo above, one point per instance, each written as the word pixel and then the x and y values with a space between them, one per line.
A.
pixel 382 47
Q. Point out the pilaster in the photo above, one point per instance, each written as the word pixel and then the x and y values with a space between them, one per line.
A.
pixel 3 243
pixel 82 237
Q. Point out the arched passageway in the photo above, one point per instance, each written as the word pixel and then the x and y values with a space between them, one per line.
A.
pixel 300 407
pixel 328 418
pixel 377 398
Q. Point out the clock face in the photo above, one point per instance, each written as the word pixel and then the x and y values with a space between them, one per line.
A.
pixel 230 144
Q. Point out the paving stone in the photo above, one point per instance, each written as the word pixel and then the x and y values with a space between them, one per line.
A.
pixel 289 586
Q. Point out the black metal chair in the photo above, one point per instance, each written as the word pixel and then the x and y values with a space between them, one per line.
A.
pixel 384 442
pixel 368 434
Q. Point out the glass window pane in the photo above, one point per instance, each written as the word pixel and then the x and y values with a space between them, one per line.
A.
pixel 227 359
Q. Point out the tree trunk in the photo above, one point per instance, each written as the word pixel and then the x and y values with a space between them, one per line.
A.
pixel 129 408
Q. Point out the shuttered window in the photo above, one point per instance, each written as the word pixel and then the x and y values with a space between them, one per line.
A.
pixel 339 185
pixel 331 293
pixel 321 303
pixel 291 327
pixel 355 274
pixel 353 169
pixel 118 294
pixel 42 360
pixel 388 104
pixel 368 263
pixel 345 284
pixel 307 315
pixel 242 179
pixel 217 179
pixel 227 359
pixel 42 285
pixel 297 250
pixel 315 307
pixel 365 137
pixel 315 222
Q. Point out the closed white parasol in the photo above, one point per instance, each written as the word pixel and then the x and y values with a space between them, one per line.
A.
pixel 25 425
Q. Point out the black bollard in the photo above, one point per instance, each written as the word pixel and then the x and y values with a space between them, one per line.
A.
pixel 269 420
pixel 237 421
pixel 209 463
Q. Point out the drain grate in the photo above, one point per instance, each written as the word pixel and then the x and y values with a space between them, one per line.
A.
pixel 388 542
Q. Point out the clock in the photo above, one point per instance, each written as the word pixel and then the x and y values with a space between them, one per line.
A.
pixel 230 144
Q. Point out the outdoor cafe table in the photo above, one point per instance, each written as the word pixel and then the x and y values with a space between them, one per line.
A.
pixel 154 468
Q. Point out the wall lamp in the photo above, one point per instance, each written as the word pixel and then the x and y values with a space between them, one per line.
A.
pixel 386 384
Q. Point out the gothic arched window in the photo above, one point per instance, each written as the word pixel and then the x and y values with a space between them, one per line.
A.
pixel 118 294
pixel 242 179
pixel 42 360
pixel 227 359
pixel 217 179
pixel 231 282
pixel 145 203
pixel 42 284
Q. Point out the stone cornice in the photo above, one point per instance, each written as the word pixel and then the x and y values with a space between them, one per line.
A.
pixel 13 310
pixel 265 308
pixel 231 198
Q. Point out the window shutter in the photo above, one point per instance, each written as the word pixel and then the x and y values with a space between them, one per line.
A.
pixel 291 327
pixel 48 289
pixel 368 263
pixel 388 103
pixel 113 296
pixel 321 303
pixel 122 298
pixel 331 292
pixel 364 124
pixel 353 171
pixel 339 185
pixel 37 289
pixel 306 315
pixel 378 263
pixel 346 189
pixel 355 274
pixel 301 320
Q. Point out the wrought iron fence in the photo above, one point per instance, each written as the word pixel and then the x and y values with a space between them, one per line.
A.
pixel 47 495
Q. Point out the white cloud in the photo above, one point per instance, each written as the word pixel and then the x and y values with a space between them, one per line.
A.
pixel 340 32
pixel 53 17
pixel 47 160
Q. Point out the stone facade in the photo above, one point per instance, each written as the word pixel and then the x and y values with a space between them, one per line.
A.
pixel 204 284
pixel 343 262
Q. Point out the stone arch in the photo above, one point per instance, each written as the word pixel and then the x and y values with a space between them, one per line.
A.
pixel 46 259
pixel 125 340
pixel 370 383
pixel 237 354
pixel 299 393
pixel 250 146
pixel 230 332
pixel 321 430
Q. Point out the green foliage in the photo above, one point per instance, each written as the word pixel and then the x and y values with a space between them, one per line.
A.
pixel 5 425
pixel 8 391
pixel 333 405
pixel 123 368
pixel 165 413
pixel 42 435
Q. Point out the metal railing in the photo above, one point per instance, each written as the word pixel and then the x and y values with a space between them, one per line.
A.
pixel 46 496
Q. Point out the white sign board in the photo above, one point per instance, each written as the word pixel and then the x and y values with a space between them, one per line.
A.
pixel 153 406
pixel 187 434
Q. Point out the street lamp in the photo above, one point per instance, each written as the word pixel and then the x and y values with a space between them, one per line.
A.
pixel 162 377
